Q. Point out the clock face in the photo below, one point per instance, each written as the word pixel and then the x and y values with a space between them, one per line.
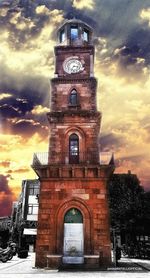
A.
pixel 72 65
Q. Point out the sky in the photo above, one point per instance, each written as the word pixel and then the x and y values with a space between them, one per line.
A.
pixel 122 66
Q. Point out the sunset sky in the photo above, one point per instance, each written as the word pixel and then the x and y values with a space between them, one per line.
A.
pixel 122 67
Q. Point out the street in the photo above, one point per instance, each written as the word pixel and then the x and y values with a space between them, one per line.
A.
pixel 24 268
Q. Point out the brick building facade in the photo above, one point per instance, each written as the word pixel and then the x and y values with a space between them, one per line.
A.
pixel 73 222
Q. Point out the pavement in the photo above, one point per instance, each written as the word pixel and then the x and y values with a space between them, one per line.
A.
pixel 24 268
pixel 145 264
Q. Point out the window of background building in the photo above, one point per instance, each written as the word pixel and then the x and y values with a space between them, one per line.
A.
pixel 33 190
pixel 32 209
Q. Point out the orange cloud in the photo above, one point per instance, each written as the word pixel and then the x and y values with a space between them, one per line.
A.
pixel 39 109
pixel 17 156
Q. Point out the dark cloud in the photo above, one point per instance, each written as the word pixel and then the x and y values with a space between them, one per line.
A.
pixel 134 158
pixel 12 107
pixel 33 89
pixel 139 39
pixel 25 94
pixel 27 128
pixel 6 196
pixel 110 141
pixel 8 111
pixel 4 185
pixel 130 61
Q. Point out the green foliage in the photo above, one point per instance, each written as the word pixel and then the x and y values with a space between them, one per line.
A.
pixel 126 201
pixel 145 220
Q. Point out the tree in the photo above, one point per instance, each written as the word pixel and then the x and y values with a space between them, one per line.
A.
pixel 145 219
pixel 126 203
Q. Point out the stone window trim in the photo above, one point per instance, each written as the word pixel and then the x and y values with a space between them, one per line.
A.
pixel 81 135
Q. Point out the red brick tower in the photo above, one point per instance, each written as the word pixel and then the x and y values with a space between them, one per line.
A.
pixel 73 223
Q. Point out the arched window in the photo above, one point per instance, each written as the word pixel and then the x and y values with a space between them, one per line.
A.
pixel 73 99
pixel 73 149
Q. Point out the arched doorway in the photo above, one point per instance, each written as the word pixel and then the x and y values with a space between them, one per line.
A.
pixel 73 149
pixel 73 237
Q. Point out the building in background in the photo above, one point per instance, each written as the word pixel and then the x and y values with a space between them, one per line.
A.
pixel 5 223
pixel 25 214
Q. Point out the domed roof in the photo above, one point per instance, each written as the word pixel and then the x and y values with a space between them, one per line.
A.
pixel 74 21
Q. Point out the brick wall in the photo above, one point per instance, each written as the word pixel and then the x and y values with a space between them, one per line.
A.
pixel 57 196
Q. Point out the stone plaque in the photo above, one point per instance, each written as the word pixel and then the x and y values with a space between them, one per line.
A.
pixel 73 243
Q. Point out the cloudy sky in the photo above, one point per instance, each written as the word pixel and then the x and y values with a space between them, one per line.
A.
pixel 122 67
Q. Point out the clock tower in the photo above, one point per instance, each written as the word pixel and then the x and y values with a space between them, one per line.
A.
pixel 73 222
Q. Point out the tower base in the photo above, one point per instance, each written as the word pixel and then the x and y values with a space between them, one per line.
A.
pixel 61 241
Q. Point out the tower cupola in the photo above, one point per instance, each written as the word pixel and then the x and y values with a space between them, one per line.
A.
pixel 75 33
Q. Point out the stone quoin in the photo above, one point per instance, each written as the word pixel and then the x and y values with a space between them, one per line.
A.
pixel 73 222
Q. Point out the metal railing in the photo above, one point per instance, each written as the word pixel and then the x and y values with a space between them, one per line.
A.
pixel 45 158
pixel 106 158
pixel 40 158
